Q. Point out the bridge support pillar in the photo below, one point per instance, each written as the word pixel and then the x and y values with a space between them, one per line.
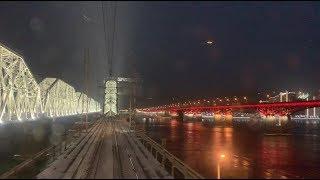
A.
pixel 180 115
pixel 289 117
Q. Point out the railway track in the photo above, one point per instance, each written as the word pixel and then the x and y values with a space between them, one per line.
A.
pixel 108 150
pixel 75 161
pixel 141 163
pixel 97 160
pixel 132 167
pixel 117 165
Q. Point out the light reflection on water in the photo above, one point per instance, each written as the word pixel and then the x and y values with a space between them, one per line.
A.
pixel 247 154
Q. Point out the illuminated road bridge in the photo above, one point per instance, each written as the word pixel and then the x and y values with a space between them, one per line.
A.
pixel 266 109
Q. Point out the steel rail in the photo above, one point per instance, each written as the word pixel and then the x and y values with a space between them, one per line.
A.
pixel 129 155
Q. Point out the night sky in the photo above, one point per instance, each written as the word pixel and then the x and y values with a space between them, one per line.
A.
pixel 257 46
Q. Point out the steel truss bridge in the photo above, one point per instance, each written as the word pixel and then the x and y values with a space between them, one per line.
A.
pixel 266 109
pixel 22 98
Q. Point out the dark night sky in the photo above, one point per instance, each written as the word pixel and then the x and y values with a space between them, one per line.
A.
pixel 258 46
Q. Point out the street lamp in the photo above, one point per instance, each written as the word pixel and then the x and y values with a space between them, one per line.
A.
pixel 220 159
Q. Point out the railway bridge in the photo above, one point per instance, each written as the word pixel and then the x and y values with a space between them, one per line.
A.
pixel 108 148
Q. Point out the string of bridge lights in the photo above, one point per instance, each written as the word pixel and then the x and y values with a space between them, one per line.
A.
pixel 214 102
pixel 232 100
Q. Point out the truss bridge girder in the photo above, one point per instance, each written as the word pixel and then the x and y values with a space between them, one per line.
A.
pixel 19 91
pixel 22 98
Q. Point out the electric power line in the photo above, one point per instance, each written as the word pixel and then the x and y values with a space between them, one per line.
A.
pixel 105 32
pixel 109 41
pixel 113 36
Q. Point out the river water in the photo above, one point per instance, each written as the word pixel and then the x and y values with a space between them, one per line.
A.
pixel 237 150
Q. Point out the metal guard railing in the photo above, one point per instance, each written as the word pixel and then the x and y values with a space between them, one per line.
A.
pixel 187 171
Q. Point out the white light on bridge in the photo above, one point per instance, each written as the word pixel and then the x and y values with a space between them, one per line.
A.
pixel 303 96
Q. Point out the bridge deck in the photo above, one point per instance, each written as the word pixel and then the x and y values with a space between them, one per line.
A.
pixel 108 150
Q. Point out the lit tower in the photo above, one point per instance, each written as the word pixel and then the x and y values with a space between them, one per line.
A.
pixel 110 107
pixel 110 104
pixel 111 94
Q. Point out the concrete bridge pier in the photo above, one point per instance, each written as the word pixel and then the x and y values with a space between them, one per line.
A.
pixel 289 117
pixel 180 115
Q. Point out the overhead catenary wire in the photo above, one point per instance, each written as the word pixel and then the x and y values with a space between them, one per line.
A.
pixel 113 37
pixel 109 37
pixel 105 33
